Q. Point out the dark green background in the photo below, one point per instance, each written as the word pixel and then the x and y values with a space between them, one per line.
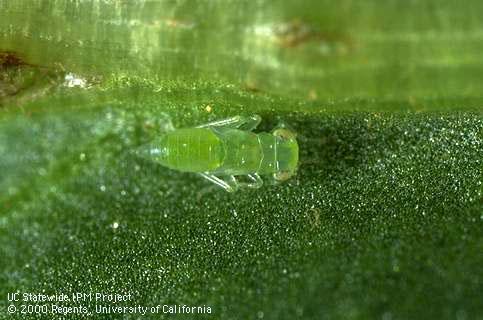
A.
pixel 383 220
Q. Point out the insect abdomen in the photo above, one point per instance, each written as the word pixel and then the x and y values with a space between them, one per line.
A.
pixel 191 150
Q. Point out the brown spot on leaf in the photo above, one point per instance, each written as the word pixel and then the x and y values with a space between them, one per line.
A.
pixel 21 81
pixel 9 59
pixel 296 33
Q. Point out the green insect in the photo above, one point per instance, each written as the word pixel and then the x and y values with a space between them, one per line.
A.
pixel 228 153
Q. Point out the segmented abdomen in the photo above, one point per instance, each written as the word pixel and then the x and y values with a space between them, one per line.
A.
pixel 191 150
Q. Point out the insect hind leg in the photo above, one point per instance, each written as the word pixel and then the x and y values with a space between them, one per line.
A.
pixel 232 184
pixel 247 123
pixel 229 184
pixel 254 181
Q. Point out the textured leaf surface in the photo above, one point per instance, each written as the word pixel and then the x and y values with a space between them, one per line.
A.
pixel 383 219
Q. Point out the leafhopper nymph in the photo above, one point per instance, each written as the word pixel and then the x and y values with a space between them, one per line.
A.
pixel 228 153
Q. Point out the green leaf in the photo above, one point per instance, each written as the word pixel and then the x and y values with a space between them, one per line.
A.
pixel 383 219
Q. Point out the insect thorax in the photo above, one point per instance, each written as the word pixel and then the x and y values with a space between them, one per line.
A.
pixel 242 152
pixel 262 153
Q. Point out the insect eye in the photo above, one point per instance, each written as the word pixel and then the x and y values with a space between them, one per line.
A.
pixel 282 175
pixel 284 133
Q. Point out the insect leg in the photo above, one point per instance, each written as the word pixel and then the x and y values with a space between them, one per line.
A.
pixel 229 185
pixel 250 122
pixel 254 183
pixel 230 122
pixel 238 122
